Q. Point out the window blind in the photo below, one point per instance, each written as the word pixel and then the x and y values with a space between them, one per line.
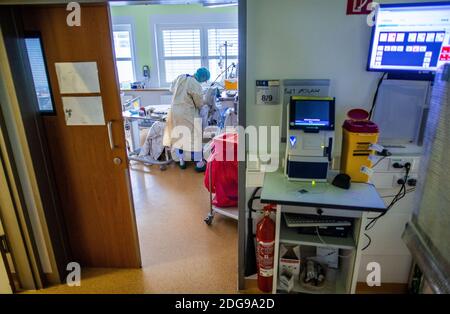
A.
pixel 39 73
pixel 181 43
pixel 181 50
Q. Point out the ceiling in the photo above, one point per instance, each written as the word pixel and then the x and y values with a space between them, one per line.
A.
pixel 203 2
pixel 129 2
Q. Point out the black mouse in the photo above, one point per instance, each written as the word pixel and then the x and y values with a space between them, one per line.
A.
pixel 342 181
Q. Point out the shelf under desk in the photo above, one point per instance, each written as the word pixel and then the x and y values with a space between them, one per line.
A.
pixel 291 236
pixel 279 190
pixel 334 284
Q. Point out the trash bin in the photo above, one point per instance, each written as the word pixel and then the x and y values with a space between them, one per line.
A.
pixel 358 136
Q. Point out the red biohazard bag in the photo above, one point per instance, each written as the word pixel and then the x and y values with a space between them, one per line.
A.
pixel 223 168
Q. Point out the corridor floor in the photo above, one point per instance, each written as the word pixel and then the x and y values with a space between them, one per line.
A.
pixel 180 253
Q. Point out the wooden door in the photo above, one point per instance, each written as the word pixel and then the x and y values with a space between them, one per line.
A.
pixel 92 176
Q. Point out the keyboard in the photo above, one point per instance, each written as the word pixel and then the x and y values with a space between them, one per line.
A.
pixel 296 221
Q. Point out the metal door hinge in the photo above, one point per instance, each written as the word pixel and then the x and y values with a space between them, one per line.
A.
pixel 4 244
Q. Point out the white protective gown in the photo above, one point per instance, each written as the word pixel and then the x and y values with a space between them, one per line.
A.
pixel 186 103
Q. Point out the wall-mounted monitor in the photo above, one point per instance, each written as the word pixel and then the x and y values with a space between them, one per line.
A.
pixel 413 37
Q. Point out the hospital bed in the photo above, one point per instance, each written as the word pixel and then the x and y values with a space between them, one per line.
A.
pixel 134 122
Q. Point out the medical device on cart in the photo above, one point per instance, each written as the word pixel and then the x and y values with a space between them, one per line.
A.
pixel 310 135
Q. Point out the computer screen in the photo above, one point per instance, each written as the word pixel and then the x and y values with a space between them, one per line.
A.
pixel 312 113
pixel 410 37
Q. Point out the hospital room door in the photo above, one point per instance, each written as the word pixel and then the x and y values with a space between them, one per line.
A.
pixel 85 132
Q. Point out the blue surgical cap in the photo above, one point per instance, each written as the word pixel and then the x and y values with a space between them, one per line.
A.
pixel 202 75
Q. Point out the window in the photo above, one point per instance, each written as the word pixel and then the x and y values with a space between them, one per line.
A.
pixel 39 73
pixel 123 48
pixel 182 50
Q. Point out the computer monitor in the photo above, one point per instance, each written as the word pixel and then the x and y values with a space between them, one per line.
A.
pixel 413 37
pixel 311 113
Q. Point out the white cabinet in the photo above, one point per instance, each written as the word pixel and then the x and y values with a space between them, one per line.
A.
pixel 387 247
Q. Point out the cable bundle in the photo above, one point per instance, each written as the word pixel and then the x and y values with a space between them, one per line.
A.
pixel 401 194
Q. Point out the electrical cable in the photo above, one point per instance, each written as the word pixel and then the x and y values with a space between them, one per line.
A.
pixel 328 245
pixel 250 256
pixel 407 192
pixel 368 244
pixel 375 96
pixel 379 161
pixel 252 198
pixel 400 195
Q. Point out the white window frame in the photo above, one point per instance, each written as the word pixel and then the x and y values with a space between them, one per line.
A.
pixel 204 56
pixel 127 27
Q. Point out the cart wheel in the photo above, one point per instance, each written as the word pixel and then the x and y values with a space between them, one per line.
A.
pixel 163 167
pixel 209 219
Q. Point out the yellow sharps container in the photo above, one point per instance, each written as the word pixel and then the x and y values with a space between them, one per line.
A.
pixel 358 134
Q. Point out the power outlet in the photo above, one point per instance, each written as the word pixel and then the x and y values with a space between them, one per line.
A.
pixel 396 180
pixel 402 162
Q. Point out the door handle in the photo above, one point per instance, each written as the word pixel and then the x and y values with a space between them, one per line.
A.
pixel 110 135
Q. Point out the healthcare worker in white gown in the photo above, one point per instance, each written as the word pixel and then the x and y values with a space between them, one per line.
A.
pixel 185 122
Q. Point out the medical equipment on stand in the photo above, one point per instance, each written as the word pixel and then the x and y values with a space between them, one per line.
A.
pixel 225 101
pixel 221 108
pixel 231 80
pixel 144 118
pixel 231 84
pixel 310 135
pixel 130 102
pixel 300 87
pixel 225 45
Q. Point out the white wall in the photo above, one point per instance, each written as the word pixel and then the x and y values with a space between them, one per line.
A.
pixel 309 39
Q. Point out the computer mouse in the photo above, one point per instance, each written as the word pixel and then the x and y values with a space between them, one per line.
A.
pixel 342 181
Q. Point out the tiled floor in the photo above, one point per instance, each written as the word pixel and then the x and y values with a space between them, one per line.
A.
pixel 180 253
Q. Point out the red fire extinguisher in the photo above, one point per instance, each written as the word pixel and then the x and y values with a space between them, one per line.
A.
pixel 265 247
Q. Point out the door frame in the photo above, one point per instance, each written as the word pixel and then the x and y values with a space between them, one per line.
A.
pixel 6 279
pixel 53 222
pixel 242 165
